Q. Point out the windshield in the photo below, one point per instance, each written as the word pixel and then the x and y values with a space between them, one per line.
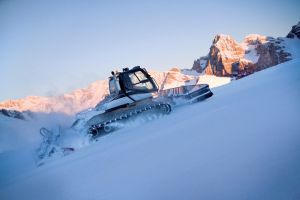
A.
pixel 140 82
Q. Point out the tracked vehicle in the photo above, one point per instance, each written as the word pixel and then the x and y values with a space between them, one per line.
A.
pixel 133 94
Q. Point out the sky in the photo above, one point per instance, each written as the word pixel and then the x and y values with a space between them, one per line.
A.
pixel 53 47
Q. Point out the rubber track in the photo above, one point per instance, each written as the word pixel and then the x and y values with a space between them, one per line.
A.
pixel 95 129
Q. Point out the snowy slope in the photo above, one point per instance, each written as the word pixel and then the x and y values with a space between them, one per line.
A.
pixel 243 143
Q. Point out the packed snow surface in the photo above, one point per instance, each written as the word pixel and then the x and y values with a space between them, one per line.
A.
pixel 242 143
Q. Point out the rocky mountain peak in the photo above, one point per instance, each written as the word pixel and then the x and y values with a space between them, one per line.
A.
pixel 226 43
pixel 223 48
pixel 254 39
pixel 227 57
pixel 295 32
pixel 222 37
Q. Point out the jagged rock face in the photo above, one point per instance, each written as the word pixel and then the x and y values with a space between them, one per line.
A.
pixel 271 53
pixel 295 32
pixel 224 58
pixel 200 64
pixel 224 51
pixel 229 58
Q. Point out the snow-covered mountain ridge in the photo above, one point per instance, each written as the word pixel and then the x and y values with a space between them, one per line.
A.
pixel 90 96
pixel 295 32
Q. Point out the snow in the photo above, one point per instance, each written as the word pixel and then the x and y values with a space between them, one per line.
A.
pixel 16 133
pixel 251 54
pixel 249 44
pixel 190 72
pixel 242 143
pixel 253 38
pixel 213 81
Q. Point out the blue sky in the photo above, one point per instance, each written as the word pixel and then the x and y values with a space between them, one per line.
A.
pixel 52 47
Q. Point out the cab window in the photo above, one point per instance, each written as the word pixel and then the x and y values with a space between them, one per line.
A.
pixel 114 87
pixel 140 81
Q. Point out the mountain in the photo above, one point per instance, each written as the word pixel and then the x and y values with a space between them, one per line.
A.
pixel 90 96
pixel 295 32
pixel 69 103
pixel 16 114
pixel 256 52
pixel 243 143
pixel 226 58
